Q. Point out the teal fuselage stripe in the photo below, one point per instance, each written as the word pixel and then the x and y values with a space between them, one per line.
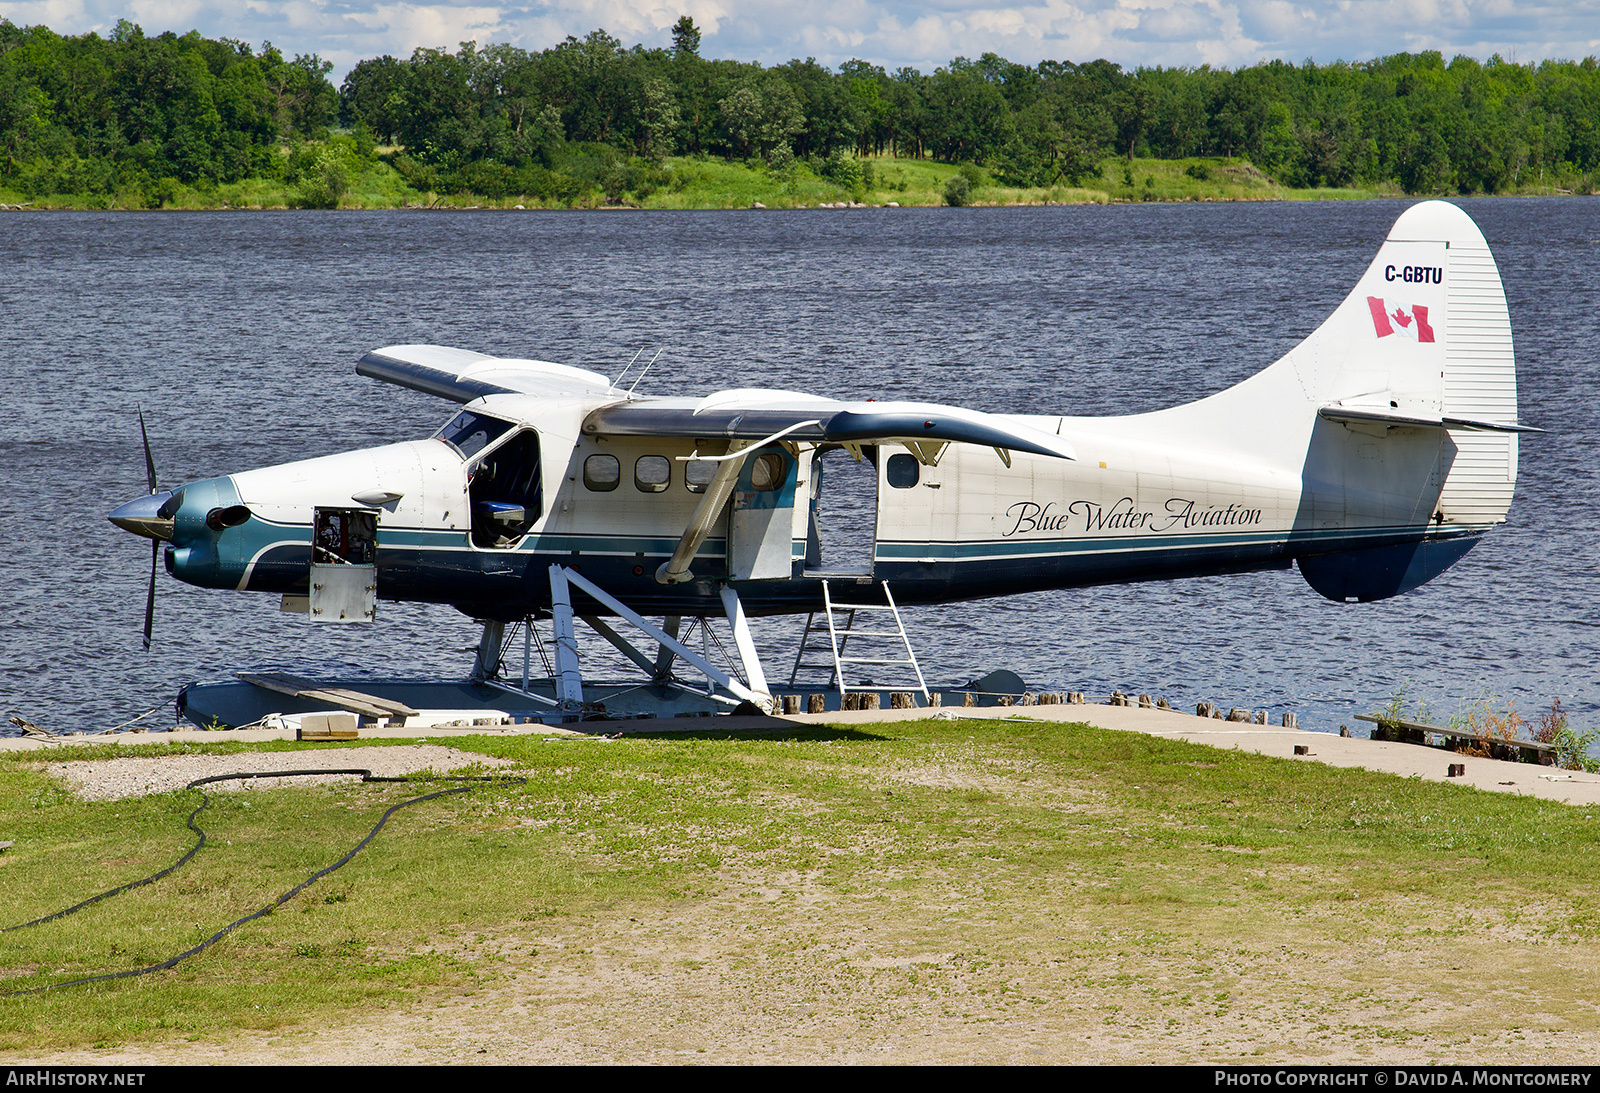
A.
pixel 442 565
pixel 885 550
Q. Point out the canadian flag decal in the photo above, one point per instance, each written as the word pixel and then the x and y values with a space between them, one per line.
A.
pixel 1392 317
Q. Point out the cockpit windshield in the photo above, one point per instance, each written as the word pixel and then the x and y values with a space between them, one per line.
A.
pixel 470 433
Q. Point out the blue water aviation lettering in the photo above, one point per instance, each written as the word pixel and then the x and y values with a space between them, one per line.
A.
pixel 1184 513
pixel 1032 518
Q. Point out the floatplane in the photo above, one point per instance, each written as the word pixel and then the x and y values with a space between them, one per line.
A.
pixel 1372 456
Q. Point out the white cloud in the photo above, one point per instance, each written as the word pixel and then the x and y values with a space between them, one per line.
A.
pixel 410 26
pixel 64 16
pixel 164 13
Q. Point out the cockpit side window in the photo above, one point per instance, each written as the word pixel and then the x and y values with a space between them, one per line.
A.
pixel 507 492
pixel 470 433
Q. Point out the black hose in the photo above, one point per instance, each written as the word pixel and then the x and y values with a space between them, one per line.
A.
pixel 366 776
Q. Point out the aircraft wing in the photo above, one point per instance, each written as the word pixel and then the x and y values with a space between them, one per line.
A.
pixel 760 415
pixel 462 375
pixel 744 414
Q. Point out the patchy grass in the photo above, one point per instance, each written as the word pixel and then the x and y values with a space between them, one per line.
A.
pixel 1210 179
pixel 952 874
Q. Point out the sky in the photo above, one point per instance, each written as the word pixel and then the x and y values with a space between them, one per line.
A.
pixel 893 33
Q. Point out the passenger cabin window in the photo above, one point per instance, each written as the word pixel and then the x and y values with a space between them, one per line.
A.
pixel 697 475
pixel 506 490
pixel 903 472
pixel 601 473
pixel 768 471
pixel 470 433
pixel 652 473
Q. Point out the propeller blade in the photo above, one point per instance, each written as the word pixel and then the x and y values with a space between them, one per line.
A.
pixel 150 598
pixel 149 460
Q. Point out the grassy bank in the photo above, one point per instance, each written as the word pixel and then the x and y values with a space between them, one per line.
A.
pixel 686 183
pixel 1118 895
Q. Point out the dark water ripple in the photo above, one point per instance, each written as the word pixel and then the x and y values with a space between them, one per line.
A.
pixel 238 331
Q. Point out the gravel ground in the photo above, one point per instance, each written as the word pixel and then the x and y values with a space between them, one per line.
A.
pixel 135 776
pixel 951 973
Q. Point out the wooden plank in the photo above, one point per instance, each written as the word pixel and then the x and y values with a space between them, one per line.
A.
pixel 1458 734
pixel 354 701
pixel 395 709
pixel 272 681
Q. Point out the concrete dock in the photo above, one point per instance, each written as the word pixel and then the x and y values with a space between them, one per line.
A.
pixel 1405 760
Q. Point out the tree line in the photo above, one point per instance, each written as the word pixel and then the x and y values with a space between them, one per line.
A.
pixel 87 115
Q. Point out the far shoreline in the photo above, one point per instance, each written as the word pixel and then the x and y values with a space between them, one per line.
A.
pixel 489 206
pixel 702 185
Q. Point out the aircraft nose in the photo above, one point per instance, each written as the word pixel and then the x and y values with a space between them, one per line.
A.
pixel 149 516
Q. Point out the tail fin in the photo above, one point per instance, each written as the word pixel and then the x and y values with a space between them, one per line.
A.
pixel 1399 413
pixel 1417 389
pixel 1426 333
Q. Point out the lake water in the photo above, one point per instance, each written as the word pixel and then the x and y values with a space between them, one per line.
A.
pixel 238 334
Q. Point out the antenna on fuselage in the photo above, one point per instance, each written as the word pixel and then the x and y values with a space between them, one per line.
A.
pixel 646 369
pixel 618 381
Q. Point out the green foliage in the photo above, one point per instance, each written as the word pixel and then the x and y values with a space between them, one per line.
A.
pixel 760 113
pixel 958 191
pixel 1492 722
pixel 846 170
pixel 125 114
pixel 324 181
pixel 685 39
pixel 112 117
pixel 1572 747
pixel 1395 712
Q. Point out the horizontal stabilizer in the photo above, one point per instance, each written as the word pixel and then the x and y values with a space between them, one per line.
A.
pixel 1354 415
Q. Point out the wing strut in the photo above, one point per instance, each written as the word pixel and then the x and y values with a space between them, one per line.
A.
pixel 675 570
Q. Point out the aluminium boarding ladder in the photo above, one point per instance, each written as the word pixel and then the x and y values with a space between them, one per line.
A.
pixel 885 643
